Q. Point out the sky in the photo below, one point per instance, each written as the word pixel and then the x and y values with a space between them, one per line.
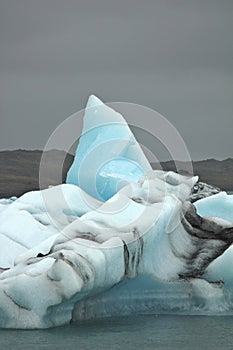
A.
pixel 174 56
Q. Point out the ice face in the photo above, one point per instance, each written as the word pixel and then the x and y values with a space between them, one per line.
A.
pixel 220 205
pixel 108 156
pixel 220 209
pixel 66 256
pixel 28 221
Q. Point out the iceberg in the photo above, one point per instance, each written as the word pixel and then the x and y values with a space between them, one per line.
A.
pixel 117 238
pixel 120 159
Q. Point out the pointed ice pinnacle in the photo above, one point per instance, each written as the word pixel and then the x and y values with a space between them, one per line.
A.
pixel 93 101
pixel 108 156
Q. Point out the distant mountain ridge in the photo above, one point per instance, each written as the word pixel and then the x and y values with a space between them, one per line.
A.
pixel 214 172
pixel 19 170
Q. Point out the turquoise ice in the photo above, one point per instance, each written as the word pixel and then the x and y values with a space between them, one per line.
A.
pixel 108 157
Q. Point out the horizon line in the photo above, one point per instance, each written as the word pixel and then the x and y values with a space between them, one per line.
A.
pixel 163 160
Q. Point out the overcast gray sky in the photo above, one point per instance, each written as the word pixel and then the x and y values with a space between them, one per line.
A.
pixel 174 56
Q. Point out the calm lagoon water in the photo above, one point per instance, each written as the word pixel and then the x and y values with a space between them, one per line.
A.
pixel 126 333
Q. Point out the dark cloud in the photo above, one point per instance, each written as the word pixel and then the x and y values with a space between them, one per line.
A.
pixel 173 56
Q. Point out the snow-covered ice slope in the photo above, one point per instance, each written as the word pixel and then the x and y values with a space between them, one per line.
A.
pixel 31 219
pixel 149 246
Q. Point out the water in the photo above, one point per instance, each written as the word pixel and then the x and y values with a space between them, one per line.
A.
pixel 126 333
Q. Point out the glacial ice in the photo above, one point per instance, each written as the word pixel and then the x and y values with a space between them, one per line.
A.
pixel 220 206
pixel 118 238
pixel 120 158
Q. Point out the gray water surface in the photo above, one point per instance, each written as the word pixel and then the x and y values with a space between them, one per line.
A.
pixel 126 333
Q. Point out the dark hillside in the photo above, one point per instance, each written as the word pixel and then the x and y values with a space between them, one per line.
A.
pixel 19 170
